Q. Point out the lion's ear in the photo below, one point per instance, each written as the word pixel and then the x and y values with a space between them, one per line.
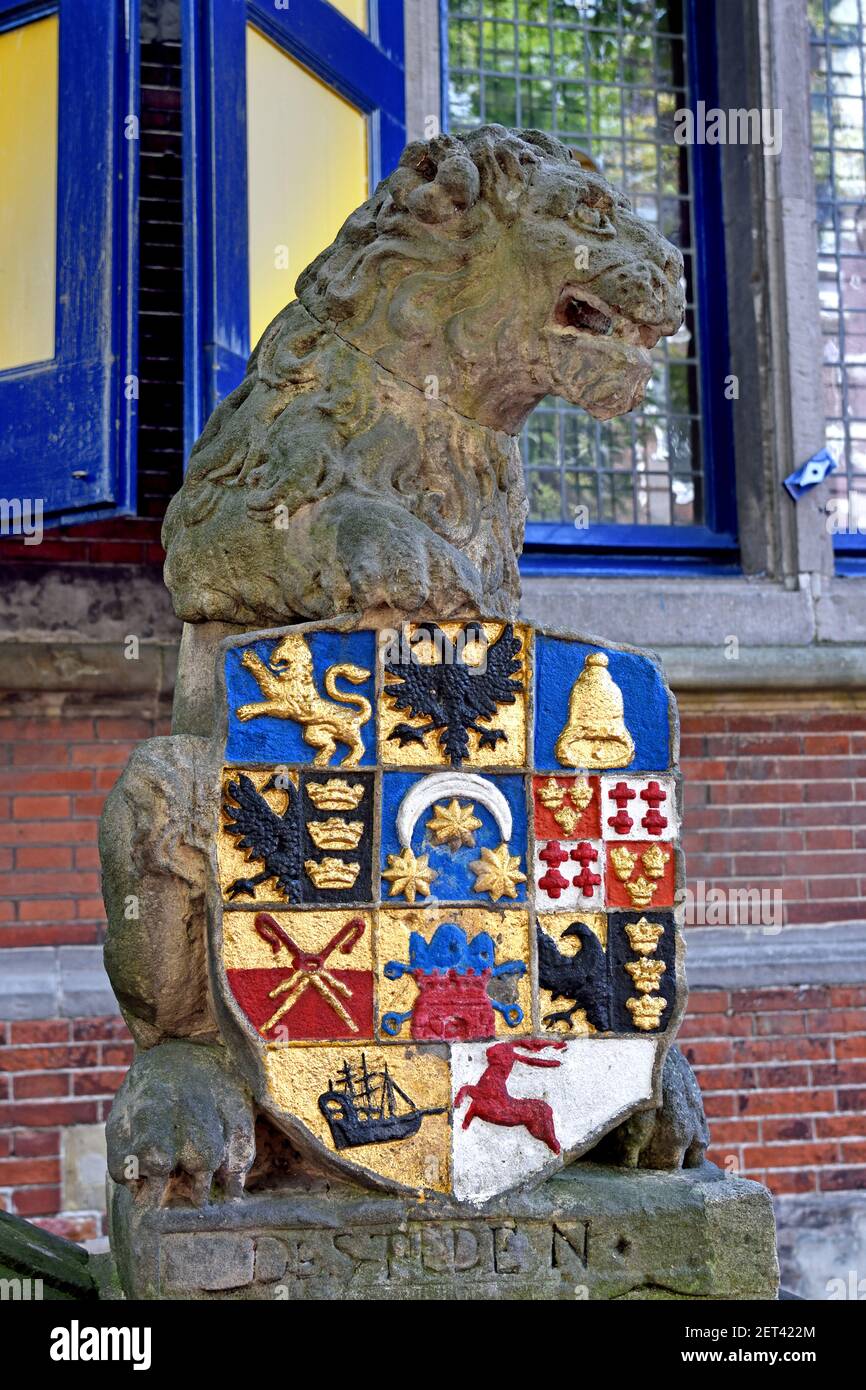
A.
pixel 503 176
pixel 435 181
pixel 415 155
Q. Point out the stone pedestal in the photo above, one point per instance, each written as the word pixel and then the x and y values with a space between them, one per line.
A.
pixel 589 1233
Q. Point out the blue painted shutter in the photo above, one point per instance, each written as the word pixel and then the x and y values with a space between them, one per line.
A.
pixel 66 427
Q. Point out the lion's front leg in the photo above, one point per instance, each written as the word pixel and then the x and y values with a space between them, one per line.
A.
pixel 267 682
pixel 153 844
pixel 182 1120
pixel 374 553
pixel 245 712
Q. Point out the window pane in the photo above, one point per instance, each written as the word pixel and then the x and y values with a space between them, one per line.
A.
pixel 605 76
pixel 838 82
pixel 306 171
pixel 356 10
pixel 28 204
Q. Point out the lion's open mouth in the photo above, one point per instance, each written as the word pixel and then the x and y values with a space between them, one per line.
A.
pixel 580 311
pixel 576 313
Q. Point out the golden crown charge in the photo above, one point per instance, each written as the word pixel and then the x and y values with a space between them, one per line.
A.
pixel 646 974
pixel 646 1011
pixel 641 891
pixel 623 862
pixel 335 795
pixel 335 833
pixel 332 873
pixel 556 797
pixel 654 860
pixel 644 936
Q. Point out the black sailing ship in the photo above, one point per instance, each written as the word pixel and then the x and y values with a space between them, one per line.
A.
pixel 368 1107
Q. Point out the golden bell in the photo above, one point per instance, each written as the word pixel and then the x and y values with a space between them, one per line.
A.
pixel 595 734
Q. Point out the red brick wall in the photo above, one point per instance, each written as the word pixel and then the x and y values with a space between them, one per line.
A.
pixel 122 541
pixel 772 798
pixel 783 1074
pixel 53 1072
pixel 55 773
pixel 777 799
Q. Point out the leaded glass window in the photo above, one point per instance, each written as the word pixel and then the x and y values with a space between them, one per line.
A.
pixel 839 149
pixel 606 77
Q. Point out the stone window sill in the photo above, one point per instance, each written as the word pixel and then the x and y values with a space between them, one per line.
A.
pixel 811 637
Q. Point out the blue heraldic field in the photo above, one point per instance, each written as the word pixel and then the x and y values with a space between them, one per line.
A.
pixel 443 926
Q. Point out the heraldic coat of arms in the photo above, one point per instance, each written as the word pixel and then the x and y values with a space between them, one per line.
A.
pixel 443 927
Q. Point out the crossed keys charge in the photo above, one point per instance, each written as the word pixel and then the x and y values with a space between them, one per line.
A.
pixel 309 968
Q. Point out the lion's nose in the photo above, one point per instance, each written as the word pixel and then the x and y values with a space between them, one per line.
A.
pixel 657 294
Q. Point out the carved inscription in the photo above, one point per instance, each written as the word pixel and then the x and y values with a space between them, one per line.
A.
pixel 423 1254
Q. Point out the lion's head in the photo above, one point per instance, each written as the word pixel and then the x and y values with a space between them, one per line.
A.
pixel 492 269
pixel 368 459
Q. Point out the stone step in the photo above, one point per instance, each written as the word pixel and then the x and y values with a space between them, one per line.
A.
pixel 34 1264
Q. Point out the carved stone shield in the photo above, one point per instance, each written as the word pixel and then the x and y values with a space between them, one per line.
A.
pixel 443 928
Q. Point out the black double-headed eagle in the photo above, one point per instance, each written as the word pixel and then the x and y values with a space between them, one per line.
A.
pixel 455 693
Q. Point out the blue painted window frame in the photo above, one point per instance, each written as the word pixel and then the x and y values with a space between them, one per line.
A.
pixel 711 548
pixel 367 69
pixel 850 556
pixel 67 429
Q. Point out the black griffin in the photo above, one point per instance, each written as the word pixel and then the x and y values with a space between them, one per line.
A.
pixel 271 839
pixel 581 977
pixel 453 695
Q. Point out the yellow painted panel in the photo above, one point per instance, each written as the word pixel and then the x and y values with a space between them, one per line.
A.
pixel 356 10
pixel 306 171
pixel 28 179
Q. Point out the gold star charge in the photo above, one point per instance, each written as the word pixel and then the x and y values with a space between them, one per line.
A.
pixel 453 825
pixel 497 872
pixel 409 874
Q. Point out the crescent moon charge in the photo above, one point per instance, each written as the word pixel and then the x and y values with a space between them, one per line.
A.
pixel 439 784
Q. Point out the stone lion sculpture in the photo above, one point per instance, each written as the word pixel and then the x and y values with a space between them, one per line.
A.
pixel 370 458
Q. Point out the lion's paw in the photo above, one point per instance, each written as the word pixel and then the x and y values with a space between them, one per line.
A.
pixel 393 560
pixel 673 1136
pixel 182 1119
